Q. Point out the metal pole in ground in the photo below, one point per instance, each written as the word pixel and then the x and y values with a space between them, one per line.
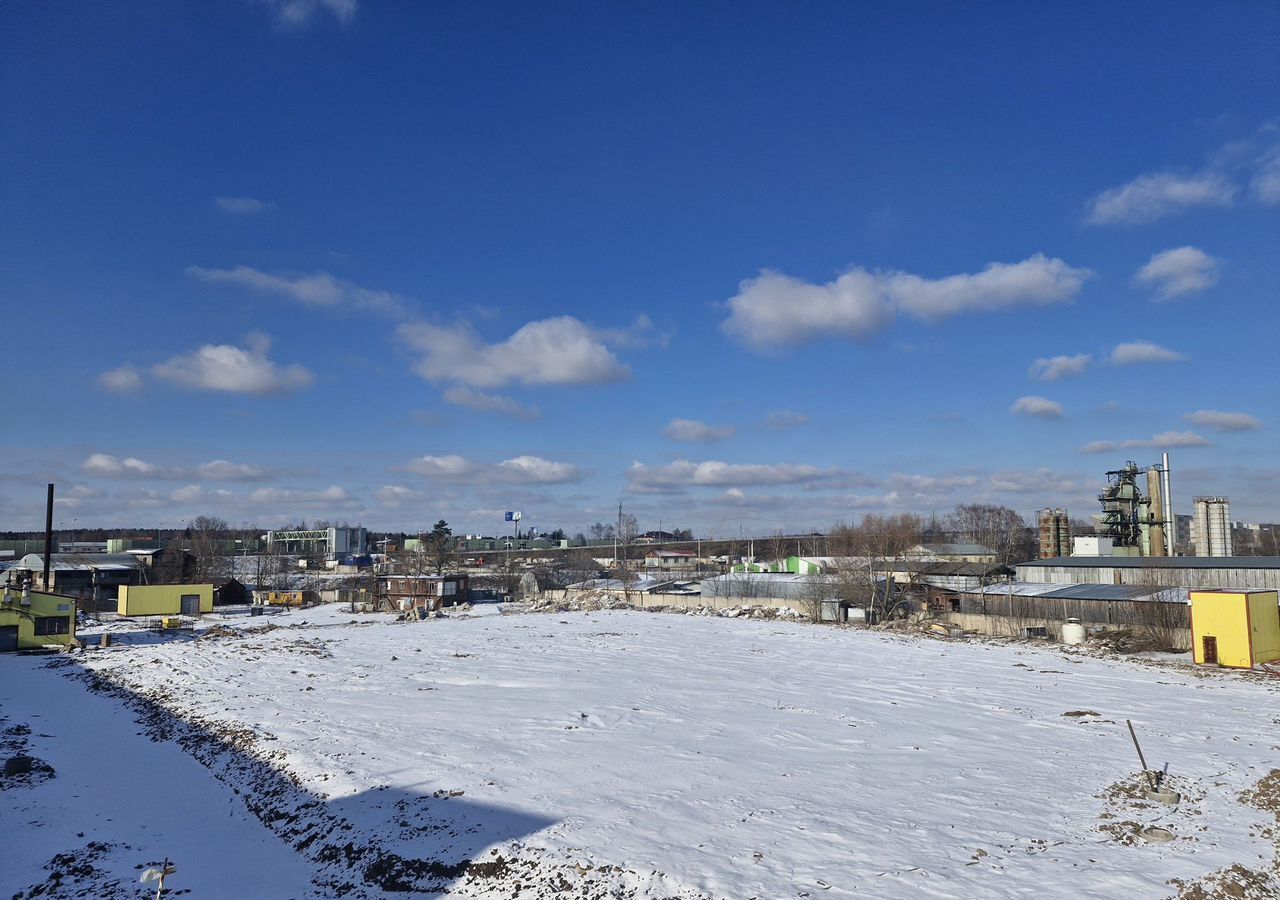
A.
pixel 1142 759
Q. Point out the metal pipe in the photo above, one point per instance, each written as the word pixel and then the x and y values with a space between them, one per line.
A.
pixel 48 537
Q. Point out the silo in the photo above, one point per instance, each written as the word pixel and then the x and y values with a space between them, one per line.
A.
pixel 1055 533
pixel 1155 514
pixel 1213 526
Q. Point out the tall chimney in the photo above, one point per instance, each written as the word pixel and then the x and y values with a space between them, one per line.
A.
pixel 48 537
pixel 1170 525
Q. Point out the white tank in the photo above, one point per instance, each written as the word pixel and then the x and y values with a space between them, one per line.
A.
pixel 1073 632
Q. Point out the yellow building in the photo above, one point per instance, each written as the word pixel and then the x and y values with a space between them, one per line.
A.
pixel 1238 629
pixel 280 598
pixel 165 599
pixel 30 620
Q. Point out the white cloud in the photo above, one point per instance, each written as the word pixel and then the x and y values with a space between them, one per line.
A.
pixel 451 466
pixel 781 420
pixel 536 470
pixel 1266 181
pixel 561 351
pixel 523 469
pixel 775 310
pixel 1182 270
pixel 713 473
pixel 930 483
pixel 324 497
pixel 693 431
pixel 639 334
pixel 241 206
pixel 397 495
pixel 1165 440
pixel 1141 351
pixel 237 370
pixel 1223 421
pixel 1036 281
pixel 121 381
pixel 319 289
pixel 1016 481
pixel 461 395
pixel 110 466
pixel 188 494
pixel 225 470
pixel 1052 368
pixel 1156 195
pixel 295 14
pixel 1037 407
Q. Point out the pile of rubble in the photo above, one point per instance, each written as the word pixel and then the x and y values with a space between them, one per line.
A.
pixel 733 612
pixel 587 602
pixel 596 601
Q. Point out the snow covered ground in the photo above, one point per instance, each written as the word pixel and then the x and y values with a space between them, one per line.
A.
pixel 640 755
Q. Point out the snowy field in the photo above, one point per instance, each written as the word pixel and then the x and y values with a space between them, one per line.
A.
pixel 630 755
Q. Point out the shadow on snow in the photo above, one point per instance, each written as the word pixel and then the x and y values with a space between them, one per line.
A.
pixel 380 840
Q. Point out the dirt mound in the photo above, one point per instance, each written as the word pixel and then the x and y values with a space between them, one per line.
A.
pixel 1232 883
pixel 1265 795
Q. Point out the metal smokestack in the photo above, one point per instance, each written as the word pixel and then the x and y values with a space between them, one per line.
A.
pixel 48 537
pixel 1170 526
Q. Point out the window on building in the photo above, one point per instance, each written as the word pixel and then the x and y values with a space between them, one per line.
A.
pixel 46 625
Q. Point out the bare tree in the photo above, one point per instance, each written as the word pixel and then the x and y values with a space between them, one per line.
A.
pixel 817 591
pixel 209 539
pixel 565 569
pixel 998 527
pixel 874 550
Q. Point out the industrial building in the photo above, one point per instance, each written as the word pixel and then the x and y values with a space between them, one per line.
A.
pixel 30 620
pixel 967 553
pixel 93 577
pixel 325 543
pixel 1243 572
pixel 1138 524
pixel 1011 607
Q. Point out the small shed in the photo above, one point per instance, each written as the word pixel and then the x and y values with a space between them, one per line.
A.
pixel 229 592
pixel 1238 629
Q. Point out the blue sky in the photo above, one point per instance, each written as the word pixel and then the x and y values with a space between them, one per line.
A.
pixel 743 266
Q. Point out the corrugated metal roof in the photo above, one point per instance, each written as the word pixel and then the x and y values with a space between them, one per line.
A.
pixel 1102 592
pixel 945 567
pixel 64 562
pixel 1159 562
pixel 959 549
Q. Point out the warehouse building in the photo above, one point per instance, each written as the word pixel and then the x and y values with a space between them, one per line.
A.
pixel 92 578
pixel 1237 572
pixel 1013 607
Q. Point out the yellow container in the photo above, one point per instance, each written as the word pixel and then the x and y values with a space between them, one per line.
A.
pixel 165 599
pixel 1237 629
